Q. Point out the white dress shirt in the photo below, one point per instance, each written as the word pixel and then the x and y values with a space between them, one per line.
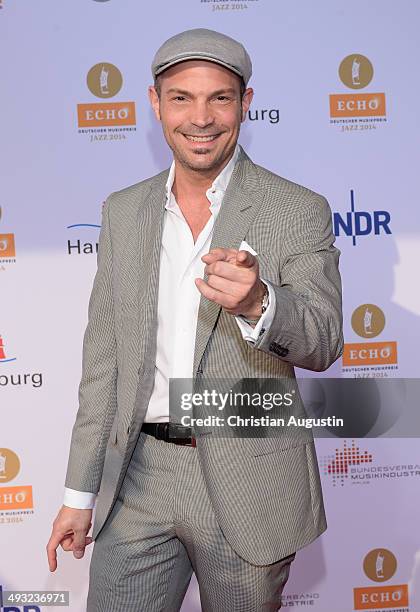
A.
pixel 178 302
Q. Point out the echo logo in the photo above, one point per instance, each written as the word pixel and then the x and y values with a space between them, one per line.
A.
pixel 370 353
pixel 380 565
pixel 356 72
pixel 104 80
pixel 7 245
pixel 377 598
pixel 16 498
pixel 357 105
pixel 361 223
pixel 106 114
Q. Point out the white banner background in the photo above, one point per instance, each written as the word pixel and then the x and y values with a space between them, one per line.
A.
pixel 52 177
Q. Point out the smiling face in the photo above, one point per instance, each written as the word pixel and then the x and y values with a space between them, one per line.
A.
pixel 200 108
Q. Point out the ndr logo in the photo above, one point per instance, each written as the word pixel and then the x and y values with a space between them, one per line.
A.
pixel 361 223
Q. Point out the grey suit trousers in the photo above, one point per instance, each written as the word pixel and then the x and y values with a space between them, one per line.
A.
pixel 161 529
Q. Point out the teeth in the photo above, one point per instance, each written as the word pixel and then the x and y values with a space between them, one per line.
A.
pixel 201 138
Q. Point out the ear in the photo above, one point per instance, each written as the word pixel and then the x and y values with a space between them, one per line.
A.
pixel 154 101
pixel 246 102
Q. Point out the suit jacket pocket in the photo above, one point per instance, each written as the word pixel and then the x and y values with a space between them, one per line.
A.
pixel 265 446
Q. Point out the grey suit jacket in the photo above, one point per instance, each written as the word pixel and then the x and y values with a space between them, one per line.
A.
pixel 266 492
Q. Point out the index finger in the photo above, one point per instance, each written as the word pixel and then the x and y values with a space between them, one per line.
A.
pixel 53 542
pixel 245 259
pixel 52 546
pixel 219 254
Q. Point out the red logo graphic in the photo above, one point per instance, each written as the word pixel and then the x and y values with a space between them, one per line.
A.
pixel 337 465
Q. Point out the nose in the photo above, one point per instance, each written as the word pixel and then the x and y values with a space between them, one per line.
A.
pixel 201 114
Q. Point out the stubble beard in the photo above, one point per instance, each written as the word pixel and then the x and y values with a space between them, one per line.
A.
pixel 212 165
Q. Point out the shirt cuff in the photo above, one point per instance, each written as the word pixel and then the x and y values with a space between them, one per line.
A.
pixel 83 500
pixel 252 334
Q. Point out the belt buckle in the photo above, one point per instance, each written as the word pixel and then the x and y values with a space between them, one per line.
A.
pixel 174 438
pixel 164 428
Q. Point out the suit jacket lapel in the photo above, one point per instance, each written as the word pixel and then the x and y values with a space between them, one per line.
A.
pixel 240 204
pixel 149 232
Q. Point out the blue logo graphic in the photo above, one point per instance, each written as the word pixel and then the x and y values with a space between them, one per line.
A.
pixel 82 225
pixel 82 248
pixel 361 223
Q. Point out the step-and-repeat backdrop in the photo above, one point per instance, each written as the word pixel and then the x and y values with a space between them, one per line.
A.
pixel 335 109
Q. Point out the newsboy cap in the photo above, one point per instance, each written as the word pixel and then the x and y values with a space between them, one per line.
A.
pixel 206 45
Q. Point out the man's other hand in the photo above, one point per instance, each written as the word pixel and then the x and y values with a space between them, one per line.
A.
pixel 70 529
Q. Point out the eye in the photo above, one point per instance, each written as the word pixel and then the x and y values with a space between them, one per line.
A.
pixel 179 98
pixel 222 98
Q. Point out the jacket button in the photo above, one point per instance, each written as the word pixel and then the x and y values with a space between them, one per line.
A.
pixel 279 350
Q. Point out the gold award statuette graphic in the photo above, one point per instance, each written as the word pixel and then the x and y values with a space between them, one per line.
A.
pixel 368 321
pixel 104 80
pixel 9 465
pixel 356 71
pixel 380 565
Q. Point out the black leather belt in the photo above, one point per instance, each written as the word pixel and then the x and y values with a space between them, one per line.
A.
pixel 170 432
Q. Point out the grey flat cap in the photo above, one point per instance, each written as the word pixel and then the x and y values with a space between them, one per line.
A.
pixel 205 45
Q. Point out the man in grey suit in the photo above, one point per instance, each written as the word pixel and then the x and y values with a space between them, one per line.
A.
pixel 214 268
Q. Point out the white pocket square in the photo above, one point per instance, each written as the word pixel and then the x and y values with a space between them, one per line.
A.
pixel 244 246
